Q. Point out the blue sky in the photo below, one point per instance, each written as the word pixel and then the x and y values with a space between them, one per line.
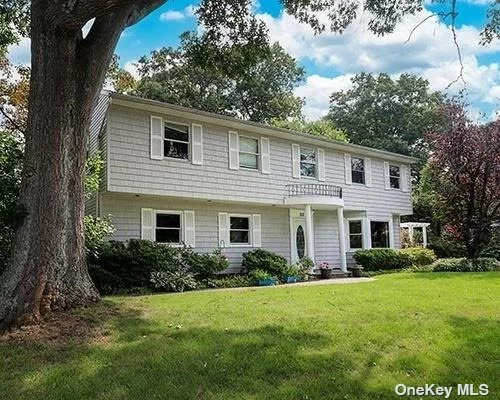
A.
pixel 330 60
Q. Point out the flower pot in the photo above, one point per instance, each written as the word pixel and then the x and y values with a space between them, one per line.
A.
pixel 326 273
pixel 291 279
pixel 266 282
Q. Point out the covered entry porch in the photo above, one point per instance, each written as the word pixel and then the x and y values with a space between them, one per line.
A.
pixel 304 200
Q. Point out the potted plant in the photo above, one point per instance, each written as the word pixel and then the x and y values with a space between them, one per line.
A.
pixel 292 274
pixel 325 269
pixel 263 278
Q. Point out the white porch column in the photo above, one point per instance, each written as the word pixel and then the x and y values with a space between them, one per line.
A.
pixel 343 259
pixel 410 235
pixel 309 232
pixel 424 235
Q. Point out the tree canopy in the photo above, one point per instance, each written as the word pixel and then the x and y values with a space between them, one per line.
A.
pixel 383 113
pixel 250 82
pixel 465 177
pixel 322 127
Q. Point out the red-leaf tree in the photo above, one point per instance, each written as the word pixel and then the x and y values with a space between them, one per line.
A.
pixel 465 166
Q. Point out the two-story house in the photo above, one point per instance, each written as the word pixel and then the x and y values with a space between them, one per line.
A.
pixel 178 175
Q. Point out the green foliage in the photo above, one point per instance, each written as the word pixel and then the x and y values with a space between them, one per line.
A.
pixel 14 22
pixel 445 246
pixel 173 281
pixel 253 83
pixel 378 259
pixel 93 170
pixel 387 114
pixel 493 247
pixel 420 256
pixel 258 274
pixel 11 213
pixel 465 265
pixel 121 80
pixel 96 231
pixel 306 264
pixel 322 127
pixel 205 266
pixel 131 265
pixel 265 260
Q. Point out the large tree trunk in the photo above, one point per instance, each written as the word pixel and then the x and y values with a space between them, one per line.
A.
pixel 47 269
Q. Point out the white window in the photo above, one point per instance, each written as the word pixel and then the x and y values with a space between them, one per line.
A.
pixel 394 176
pixel 175 140
pixel 355 234
pixel 379 231
pixel 239 229
pixel 308 162
pixel 358 170
pixel 249 152
pixel 168 227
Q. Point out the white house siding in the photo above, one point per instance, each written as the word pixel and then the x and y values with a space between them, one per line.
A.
pixel 125 213
pixel 131 170
pixel 326 237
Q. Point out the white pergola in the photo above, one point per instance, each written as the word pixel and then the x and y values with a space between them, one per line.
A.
pixel 411 225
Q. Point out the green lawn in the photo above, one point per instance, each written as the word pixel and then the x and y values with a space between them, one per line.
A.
pixel 354 341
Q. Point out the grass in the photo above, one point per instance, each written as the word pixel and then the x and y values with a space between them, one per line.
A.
pixel 353 341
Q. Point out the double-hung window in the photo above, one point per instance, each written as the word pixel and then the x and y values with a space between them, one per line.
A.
pixel 168 227
pixel 356 234
pixel 176 140
pixel 239 229
pixel 308 162
pixel 380 234
pixel 394 176
pixel 358 170
pixel 249 152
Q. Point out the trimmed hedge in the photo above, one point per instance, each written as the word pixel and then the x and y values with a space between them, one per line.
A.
pixel 265 260
pixel 382 259
pixel 420 256
pixel 465 265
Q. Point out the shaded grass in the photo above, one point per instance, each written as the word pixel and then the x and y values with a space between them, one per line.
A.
pixel 318 342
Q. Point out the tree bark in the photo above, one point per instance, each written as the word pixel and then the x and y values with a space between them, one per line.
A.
pixel 48 269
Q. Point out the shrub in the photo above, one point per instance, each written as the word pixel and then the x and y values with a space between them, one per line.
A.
pixel 204 266
pixel 493 247
pixel 295 270
pixel 445 247
pixel 377 259
pixel 260 275
pixel 465 265
pixel 420 256
pixel 265 260
pixel 173 281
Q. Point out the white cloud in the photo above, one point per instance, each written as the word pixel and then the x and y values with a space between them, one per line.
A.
pixel 173 15
pixel 130 66
pixel 317 90
pixel 430 53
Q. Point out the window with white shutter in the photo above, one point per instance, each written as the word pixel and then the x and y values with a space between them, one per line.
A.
pixel 265 155
pixel 234 150
pixel 197 144
pixel 156 138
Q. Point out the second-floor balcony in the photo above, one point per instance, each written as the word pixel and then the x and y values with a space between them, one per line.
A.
pixel 314 194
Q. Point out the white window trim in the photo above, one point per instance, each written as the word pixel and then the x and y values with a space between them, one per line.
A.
pixel 392 176
pixel 164 121
pixel 348 234
pixel 247 152
pixel 315 177
pixel 250 230
pixel 181 213
pixel 364 171
pixel 390 228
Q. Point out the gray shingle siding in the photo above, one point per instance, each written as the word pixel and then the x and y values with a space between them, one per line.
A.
pixel 131 170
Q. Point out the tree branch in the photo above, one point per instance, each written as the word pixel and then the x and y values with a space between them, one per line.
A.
pixel 11 121
pixel 73 14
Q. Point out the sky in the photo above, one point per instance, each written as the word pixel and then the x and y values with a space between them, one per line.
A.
pixel 331 60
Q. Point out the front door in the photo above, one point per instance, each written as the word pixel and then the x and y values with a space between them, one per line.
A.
pixel 298 239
